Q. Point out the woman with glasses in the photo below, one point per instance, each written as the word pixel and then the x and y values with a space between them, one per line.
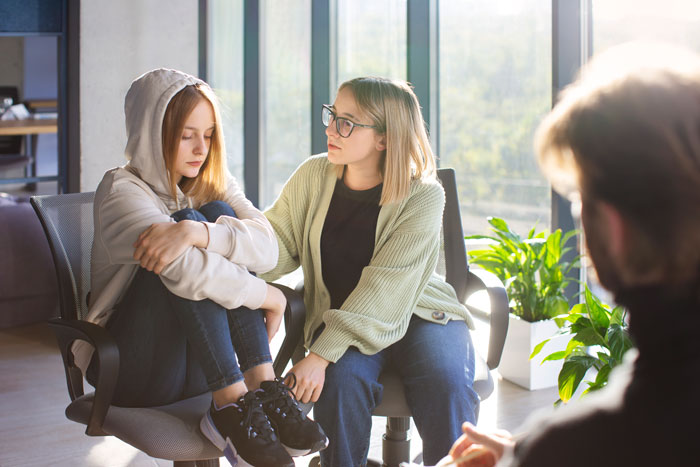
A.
pixel 363 221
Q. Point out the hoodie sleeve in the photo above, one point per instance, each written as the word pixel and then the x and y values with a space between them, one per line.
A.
pixel 197 274
pixel 247 240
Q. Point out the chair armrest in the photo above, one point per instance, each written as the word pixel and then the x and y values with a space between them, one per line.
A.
pixel 294 317
pixel 107 353
pixel 480 279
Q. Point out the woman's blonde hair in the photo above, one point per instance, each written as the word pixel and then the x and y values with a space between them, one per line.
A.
pixel 210 183
pixel 393 108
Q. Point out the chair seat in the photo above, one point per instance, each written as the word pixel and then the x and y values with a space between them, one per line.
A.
pixel 395 405
pixel 166 432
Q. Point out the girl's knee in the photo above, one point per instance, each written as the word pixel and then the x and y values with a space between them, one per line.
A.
pixel 213 209
pixel 187 214
pixel 350 383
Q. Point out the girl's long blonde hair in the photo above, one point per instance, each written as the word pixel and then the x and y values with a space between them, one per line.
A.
pixel 210 183
pixel 393 108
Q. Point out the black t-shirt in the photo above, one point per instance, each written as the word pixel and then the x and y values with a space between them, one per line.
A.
pixel 347 240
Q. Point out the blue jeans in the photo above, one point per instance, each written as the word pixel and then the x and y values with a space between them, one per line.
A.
pixel 172 348
pixel 436 364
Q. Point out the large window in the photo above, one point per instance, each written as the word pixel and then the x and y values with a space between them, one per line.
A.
pixel 495 87
pixel 370 40
pixel 225 74
pixel 676 21
pixel 286 92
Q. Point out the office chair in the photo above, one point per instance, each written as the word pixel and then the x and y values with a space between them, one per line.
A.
pixel 453 265
pixel 168 432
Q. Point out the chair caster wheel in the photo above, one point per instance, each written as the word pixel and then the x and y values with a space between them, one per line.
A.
pixel 315 462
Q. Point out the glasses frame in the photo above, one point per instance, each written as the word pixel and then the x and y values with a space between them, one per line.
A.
pixel 337 119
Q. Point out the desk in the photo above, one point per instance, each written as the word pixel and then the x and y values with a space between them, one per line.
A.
pixel 30 129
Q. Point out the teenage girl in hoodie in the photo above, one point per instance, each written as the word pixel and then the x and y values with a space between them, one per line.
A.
pixel 175 244
pixel 364 223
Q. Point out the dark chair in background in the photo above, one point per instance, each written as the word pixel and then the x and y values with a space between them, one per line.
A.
pixel 12 153
pixel 167 432
pixel 454 266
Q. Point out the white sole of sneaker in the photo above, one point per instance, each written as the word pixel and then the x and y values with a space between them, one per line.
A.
pixel 206 425
pixel 303 452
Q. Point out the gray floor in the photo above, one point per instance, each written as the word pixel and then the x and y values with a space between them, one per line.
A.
pixel 35 432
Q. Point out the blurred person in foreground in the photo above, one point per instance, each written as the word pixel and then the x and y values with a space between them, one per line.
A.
pixel 625 140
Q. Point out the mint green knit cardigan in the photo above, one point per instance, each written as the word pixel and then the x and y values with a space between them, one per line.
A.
pixel 398 282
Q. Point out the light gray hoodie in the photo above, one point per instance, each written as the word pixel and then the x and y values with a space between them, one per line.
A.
pixel 131 198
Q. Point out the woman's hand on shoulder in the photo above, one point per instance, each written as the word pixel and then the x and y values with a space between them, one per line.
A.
pixel 310 375
pixel 163 242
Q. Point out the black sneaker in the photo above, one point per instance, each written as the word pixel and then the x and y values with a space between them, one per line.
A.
pixel 299 434
pixel 243 432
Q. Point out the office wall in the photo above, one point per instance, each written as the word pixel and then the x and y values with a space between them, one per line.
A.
pixel 12 69
pixel 118 42
pixel 40 67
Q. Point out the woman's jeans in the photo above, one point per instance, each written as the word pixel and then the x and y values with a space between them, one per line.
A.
pixel 172 348
pixel 436 365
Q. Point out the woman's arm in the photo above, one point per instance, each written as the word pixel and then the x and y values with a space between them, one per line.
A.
pixel 288 215
pixel 196 274
pixel 161 243
pixel 248 239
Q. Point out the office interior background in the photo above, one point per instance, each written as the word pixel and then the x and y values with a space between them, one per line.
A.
pixel 485 71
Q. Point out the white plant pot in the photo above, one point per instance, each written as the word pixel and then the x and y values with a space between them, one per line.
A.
pixel 521 339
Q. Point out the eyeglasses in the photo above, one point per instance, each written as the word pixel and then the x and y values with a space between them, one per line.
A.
pixel 343 125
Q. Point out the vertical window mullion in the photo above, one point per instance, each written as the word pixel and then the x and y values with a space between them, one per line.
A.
pixel 421 59
pixel 320 70
pixel 251 100
pixel 569 43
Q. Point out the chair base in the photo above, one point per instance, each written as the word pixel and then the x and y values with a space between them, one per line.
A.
pixel 396 441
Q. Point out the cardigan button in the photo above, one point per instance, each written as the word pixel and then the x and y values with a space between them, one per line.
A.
pixel 438 315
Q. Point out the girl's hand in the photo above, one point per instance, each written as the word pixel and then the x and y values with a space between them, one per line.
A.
pixel 273 306
pixel 161 243
pixel 491 445
pixel 310 374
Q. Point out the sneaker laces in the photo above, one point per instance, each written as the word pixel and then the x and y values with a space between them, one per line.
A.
pixel 282 398
pixel 254 419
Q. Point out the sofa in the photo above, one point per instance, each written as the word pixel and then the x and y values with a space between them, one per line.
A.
pixel 28 287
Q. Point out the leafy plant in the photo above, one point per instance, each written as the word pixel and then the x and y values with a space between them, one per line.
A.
pixel 533 269
pixel 599 340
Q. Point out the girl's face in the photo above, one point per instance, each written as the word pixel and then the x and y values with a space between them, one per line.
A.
pixel 364 147
pixel 195 141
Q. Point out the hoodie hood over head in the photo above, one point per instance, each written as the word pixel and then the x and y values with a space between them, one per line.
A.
pixel 144 108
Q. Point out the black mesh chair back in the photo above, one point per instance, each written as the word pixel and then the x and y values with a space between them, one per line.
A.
pixel 466 281
pixel 165 432
pixel 68 224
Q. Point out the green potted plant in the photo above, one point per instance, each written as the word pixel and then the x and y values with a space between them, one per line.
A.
pixel 599 338
pixel 535 272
